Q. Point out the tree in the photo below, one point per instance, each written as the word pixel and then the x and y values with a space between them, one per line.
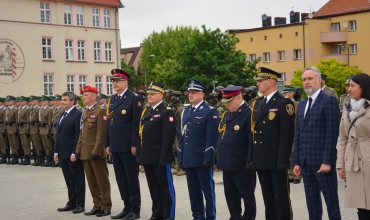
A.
pixel 337 73
pixel 134 78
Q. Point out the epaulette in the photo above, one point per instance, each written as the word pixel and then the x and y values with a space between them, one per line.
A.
pixel 330 88
pixel 210 107
pixel 168 108
pixel 135 93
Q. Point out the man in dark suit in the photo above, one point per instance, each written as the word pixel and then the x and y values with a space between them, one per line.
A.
pixel 68 130
pixel 124 110
pixel 157 135
pixel 273 133
pixel 196 151
pixel 314 157
pixel 234 140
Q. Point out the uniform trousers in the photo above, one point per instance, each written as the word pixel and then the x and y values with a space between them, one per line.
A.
pixel 26 144
pixel 97 176
pixel 46 142
pixel 200 182
pixel 327 183
pixel 161 190
pixel 36 143
pixel 3 144
pixel 276 194
pixel 74 177
pixel 13 143
pixel 240 185
pixel 127 176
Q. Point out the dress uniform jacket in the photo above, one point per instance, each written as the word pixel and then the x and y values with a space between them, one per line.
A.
pixel 57 111
pixel 34 120
pixel 354 157
pixel 123 125
pixel 331 92
pixel 11 117
pixel 93 128
pixel 200 126
pixel 158 135
pixel 23 114
pixel 46 115
pixel 233 144
pixel 273 133
pixel 2 129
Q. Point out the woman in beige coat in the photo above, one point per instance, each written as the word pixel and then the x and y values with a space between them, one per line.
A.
pixel 353 161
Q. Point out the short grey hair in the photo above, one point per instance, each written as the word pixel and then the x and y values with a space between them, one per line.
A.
pixel 315 69
pixel 71 96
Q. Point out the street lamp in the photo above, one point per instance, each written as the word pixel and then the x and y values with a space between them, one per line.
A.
pixel 151 55
pixel 343 46
pixel 214 82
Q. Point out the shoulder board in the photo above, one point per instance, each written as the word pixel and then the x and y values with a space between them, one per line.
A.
pixel 210 107
pixel 187 105
pixel 168 108
pixel 135 93
pixel 330 88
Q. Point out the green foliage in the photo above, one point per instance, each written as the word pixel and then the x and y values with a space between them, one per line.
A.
pixel 176 55
pixel 134 78
pixel 337 73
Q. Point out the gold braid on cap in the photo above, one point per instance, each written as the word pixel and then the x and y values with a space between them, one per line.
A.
pixel 141 127
pixel 156 88
pixel 109 114
pixel 272 76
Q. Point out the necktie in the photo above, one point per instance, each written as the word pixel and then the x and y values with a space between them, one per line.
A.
pixel 263 104
pixel 309 107
pixel 63 116
pixel 192 110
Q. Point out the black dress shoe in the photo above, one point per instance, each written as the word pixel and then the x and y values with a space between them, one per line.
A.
pixel 153 218
pixel 66 208
pixel 78 210
pixel 132 216
pixel 297 182
pixel 120 215
pixel 92 212
pixel 291 180
pixel 103 213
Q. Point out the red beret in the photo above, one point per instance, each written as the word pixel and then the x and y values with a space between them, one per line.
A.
pixel 119 74
pixel 89 89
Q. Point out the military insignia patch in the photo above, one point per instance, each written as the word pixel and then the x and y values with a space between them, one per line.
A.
pixel 290 109
pixel 215 117
pixel 170 119
pixel 139 104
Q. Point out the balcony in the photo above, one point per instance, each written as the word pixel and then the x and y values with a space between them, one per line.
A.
pixel 333 36
pixel 339 57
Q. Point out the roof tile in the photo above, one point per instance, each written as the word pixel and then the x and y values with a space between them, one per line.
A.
pixel 334 7
pixel 114 3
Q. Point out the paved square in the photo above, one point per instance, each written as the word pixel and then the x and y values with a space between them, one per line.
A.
pixel 36 192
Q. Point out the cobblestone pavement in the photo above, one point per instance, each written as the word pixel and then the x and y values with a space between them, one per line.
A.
pixel 36 192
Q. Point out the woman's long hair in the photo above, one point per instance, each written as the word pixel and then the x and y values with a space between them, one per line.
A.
pixel 363 80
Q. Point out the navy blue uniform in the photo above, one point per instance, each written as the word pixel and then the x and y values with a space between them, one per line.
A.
pixel 197 144
pixel 154 147
pixel 233 144
pixel 122 134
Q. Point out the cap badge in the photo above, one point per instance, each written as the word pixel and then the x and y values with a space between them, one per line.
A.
pixel 123 111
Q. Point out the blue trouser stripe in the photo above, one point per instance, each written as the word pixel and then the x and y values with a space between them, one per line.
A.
pixel 171 190
pixel 213 192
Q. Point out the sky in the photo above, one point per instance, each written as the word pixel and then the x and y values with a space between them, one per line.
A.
pixel 139 18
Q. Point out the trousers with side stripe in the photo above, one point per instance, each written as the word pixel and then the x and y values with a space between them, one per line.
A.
pixel 161 190
pixel 276 194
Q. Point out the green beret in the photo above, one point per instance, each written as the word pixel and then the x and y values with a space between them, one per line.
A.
pixel 323 76
pixel 58 97
pixel 22 98
pixel 102 96
pixel 45 98
pixel 2 99
pixel 288 89
pixel 9 97
pixel 52 98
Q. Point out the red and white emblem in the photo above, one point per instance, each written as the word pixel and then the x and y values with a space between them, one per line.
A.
pixel 105 118
pixel 170 118
pixel 215 117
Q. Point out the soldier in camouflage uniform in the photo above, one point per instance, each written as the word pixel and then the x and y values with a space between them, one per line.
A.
pixel 344 98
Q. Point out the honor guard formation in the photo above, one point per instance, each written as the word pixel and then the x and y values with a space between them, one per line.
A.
pixel 252 135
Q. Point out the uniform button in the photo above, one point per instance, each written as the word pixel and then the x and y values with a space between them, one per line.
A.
pixel 186 136
pixel 359 159
pixel 186 143
pixel 346 159
pixel 255 131
pixel 255 142
pixel 264 122
pixel 188 122
pixel 260 132
pixel 260 142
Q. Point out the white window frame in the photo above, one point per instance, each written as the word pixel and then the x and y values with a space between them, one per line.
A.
pixel 69 49
pixel 336 49
pixel 252 57
pixel 108 52
pixel 266 57
pixel 97 55
pixel 70 83
pixel 67 14
pixel 95 13
pixel 283 77
pixel 297 54
pixel 335 26
pixel 107 14
pixel 281 55
pixel 109 85
pixel 81 50
pixel 82 81
pixel 353 48
pixel 99 83
pixel 352 25
pixel 47 48
pixel 48 84
pixel 45 12
pixel 80 16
